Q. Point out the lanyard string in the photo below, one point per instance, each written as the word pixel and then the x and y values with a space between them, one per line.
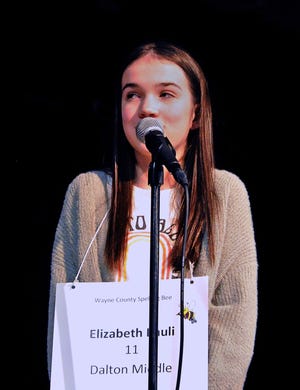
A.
pixel 89 246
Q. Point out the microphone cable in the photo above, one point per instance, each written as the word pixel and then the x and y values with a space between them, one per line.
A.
pixel 182 287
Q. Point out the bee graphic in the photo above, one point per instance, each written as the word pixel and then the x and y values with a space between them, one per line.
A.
pixel 188 314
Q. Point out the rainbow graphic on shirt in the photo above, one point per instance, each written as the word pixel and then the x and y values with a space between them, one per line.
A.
pixel 137 261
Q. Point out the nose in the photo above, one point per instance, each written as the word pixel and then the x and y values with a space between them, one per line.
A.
pixel 149 106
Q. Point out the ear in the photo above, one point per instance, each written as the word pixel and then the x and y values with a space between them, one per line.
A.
pixel 195 124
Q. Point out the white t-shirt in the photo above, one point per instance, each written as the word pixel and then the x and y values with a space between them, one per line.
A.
pixel 137 262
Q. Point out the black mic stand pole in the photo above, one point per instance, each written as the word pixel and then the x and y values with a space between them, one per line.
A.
pixel 155 179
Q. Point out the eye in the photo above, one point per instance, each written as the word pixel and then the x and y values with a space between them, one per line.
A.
pixel 131 95
pixel 166 94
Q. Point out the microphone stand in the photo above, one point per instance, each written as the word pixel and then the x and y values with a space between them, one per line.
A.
pixel 155 179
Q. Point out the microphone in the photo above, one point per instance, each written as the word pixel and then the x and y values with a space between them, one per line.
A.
pixel 150 132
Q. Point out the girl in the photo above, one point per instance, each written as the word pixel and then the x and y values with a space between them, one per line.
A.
pixel 163 82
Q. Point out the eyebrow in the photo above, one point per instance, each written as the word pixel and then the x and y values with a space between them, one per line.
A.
pixel 129 85
pixel 165 84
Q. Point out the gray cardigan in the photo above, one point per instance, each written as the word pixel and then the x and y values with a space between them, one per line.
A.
pixel 232 279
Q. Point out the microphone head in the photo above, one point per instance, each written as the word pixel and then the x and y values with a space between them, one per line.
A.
pixel 148 124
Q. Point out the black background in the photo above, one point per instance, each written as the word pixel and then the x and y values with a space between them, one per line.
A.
pixel 64 56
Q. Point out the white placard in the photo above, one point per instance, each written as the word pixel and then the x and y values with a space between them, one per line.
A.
pixel 101 338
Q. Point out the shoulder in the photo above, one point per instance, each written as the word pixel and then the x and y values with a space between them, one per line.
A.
pixel 92 178
pixel 229 186
pixel 91 184
pixel 225 179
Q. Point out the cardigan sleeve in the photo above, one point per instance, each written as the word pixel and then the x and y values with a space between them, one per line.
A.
pixel 63 266
pixel 233 307
pixel 84 204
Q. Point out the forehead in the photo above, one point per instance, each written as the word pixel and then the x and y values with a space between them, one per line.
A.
pixel 153 69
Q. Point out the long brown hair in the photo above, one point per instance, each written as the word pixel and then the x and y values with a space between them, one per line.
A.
pixel 198 165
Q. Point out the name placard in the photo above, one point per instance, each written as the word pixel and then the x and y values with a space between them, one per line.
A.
pixel 101 336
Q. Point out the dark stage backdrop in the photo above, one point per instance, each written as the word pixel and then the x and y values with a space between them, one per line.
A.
pixel 64 58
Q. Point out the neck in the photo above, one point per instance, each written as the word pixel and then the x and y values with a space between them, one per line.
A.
pixel 142 178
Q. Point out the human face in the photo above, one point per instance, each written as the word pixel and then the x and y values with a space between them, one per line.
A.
pixel 157 88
